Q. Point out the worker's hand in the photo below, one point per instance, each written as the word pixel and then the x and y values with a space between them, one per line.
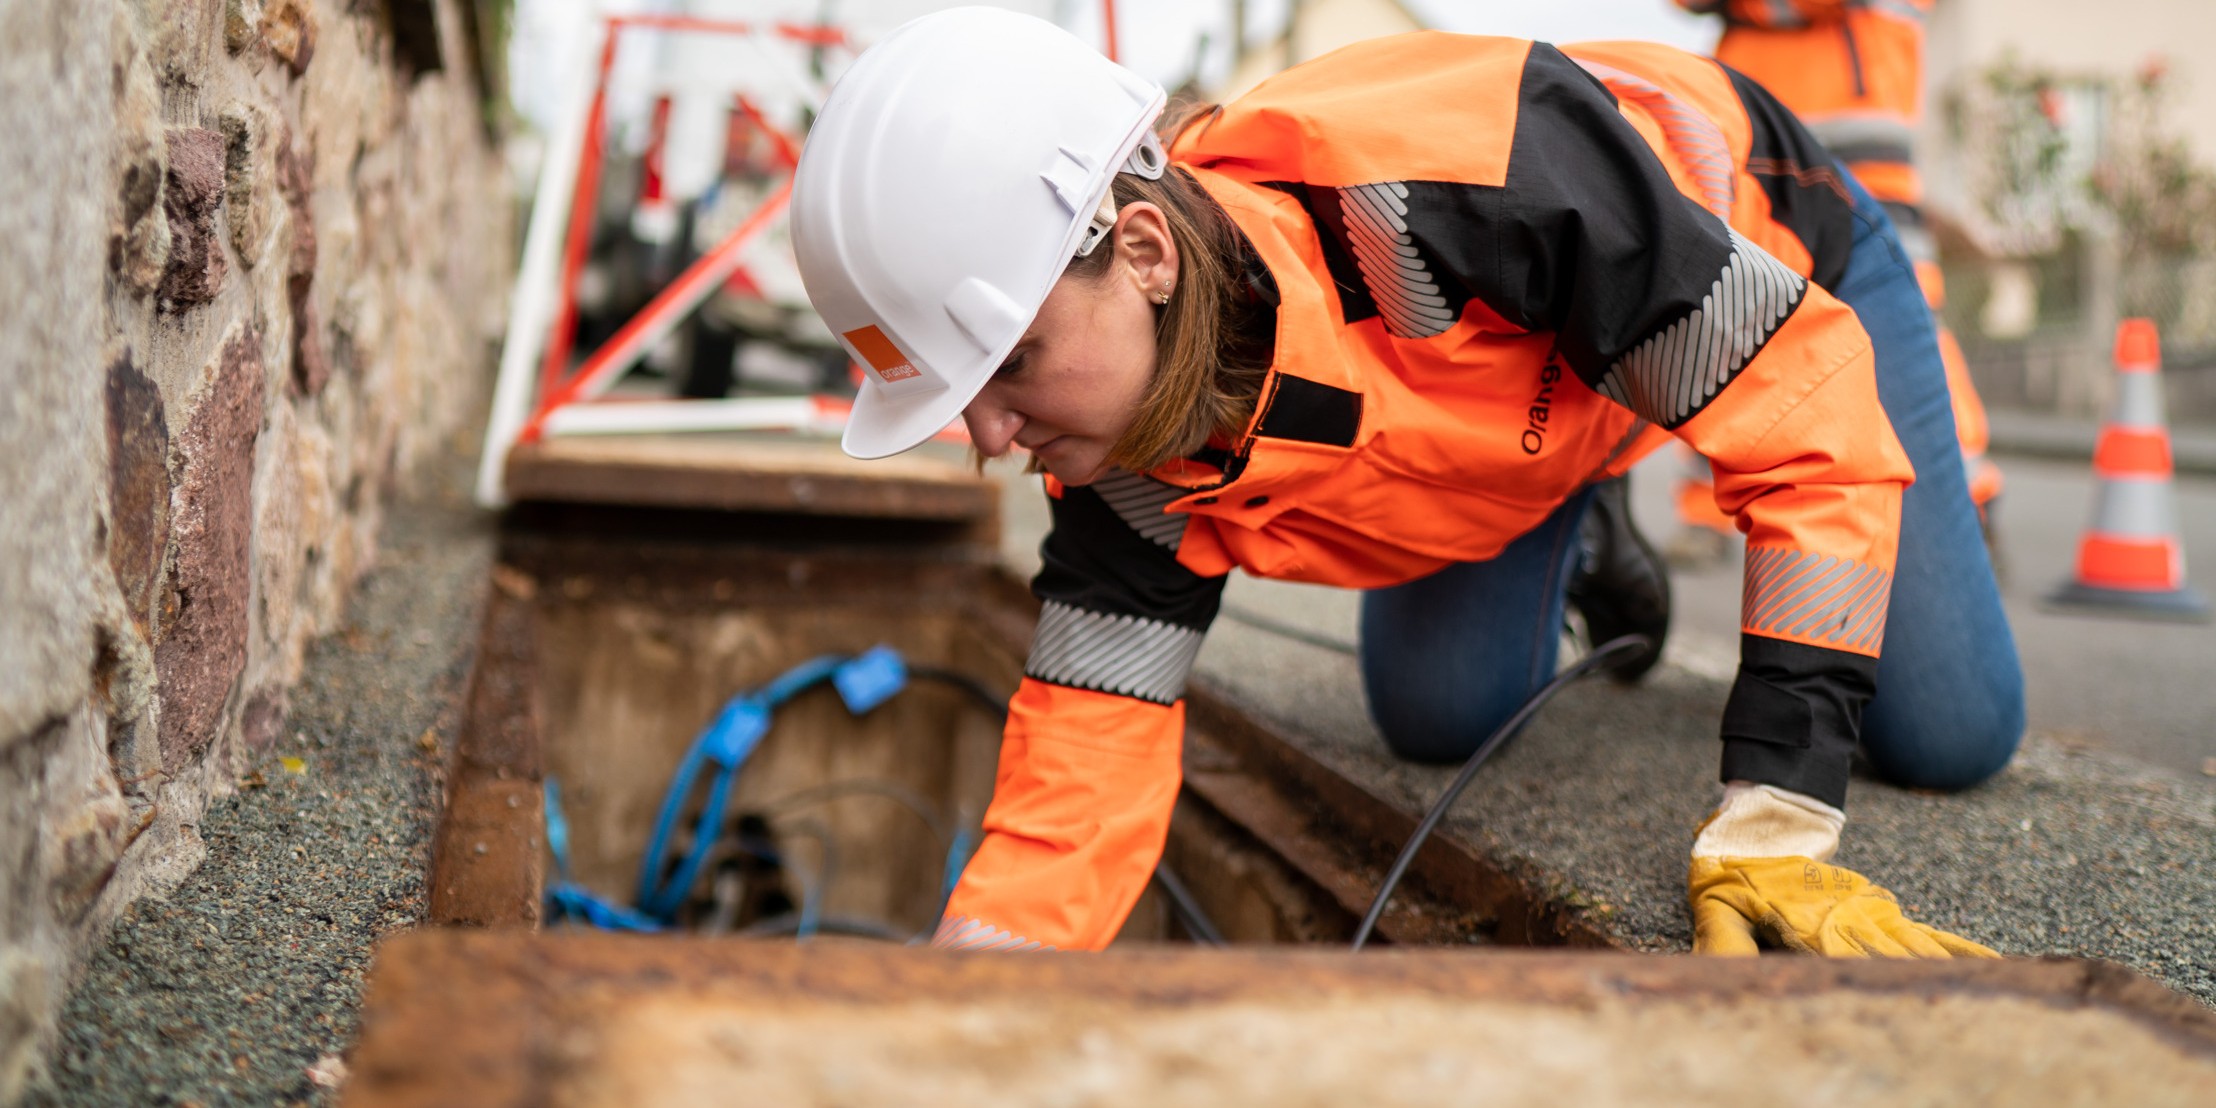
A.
pixel 1807 906
pixel 1761 872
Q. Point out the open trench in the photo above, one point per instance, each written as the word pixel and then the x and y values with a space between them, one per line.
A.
pixel 615 632
pixel 603 659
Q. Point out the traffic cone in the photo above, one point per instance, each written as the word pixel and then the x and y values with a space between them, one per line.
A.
pixel 2129 560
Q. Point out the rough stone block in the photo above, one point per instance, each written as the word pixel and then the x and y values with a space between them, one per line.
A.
pixel 203 641
pixel 251 136
pixel 279 542
pixel 27 991
pixel 241 18
pixel 82 849
pixel 289 29
pixel 194 193
pixel 311 363
pixel 138 488
pixel 138 236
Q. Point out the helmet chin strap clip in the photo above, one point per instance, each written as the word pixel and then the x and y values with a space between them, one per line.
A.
pixel 1147 160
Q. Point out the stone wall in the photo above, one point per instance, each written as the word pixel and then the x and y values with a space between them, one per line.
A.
pixel 253 259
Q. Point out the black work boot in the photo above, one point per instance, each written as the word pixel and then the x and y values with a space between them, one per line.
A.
pixel 1619 584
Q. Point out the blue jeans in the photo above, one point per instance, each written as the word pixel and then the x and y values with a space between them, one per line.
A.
pixel 1447 658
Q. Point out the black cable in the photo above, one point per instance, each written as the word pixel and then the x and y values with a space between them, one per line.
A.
pixel 816 884
pixel 899 794
pixel 992 701
pixel 1188 911
pixel 1585 665
pixel 853 926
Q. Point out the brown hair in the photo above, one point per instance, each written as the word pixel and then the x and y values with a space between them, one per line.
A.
pixel 1207 370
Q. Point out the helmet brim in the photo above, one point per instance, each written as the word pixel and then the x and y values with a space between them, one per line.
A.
pixel 881 426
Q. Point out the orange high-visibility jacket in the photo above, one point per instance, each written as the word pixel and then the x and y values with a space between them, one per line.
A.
pixel 1489 290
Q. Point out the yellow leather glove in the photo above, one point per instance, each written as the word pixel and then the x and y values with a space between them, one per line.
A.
pixel 1807 906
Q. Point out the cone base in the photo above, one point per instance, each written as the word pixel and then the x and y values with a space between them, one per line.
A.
pixel 2182 604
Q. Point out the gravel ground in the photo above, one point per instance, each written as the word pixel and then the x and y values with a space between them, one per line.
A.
pixel 230 989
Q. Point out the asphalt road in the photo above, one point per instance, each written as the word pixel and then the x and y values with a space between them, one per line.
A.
pixel 2140 689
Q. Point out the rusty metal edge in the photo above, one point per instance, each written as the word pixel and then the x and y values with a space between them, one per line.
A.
pixel 1447 869
pixel 486 864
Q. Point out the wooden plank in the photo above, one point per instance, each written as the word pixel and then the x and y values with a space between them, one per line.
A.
pixel 489 1018
pixel 734 474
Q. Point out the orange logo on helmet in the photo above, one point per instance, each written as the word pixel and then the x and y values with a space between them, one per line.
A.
pixel 883 357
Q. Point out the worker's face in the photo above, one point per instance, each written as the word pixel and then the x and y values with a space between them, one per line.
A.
pixel 1072 385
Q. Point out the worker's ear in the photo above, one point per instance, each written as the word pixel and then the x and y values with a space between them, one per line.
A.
pixel 1145 250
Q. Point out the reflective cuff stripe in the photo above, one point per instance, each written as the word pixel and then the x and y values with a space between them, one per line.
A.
pixel 1126 655
pixel 1819 599
pixel 964 933
pixel 1673 375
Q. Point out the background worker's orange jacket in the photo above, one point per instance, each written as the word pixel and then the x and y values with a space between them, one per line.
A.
pixel 1852 70
pixel 1488 291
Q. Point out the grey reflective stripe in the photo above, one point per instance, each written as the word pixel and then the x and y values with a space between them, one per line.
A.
pixel 1898 9
pixel 1677 371
pixel 1863 137
pixel 1800 594
pixel 1784 14
pixel 964 933
pixel 1138 500
pixel 2135 508
pixel 1694 137
pixel 1141 658
pixel 1392 268
pixel 2138 402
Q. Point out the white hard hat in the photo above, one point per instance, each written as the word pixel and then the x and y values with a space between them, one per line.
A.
pixel 954 171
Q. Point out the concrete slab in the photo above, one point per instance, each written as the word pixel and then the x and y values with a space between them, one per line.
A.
pixel 487 1019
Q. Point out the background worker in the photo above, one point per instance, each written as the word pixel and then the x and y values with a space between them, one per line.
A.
pixel 1382 324
pixel 1853 71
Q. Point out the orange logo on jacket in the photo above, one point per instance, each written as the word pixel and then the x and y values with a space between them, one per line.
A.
pixel 1535 417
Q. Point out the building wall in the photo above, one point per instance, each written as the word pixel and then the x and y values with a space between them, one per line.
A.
pixel 256 253
pixel 2119 37
pixel 1319 27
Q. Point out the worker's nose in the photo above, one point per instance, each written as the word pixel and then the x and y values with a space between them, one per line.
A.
pixel 992 428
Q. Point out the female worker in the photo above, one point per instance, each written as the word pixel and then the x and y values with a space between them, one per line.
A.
pixel 1382 323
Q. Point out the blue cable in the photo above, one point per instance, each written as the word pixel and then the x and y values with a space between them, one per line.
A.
pixel 863 681
pixel 568 899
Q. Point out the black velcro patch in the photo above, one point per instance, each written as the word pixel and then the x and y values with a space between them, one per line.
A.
pixel 1306 411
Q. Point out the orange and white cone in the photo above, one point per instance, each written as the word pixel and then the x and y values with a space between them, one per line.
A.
pixel 2129 560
